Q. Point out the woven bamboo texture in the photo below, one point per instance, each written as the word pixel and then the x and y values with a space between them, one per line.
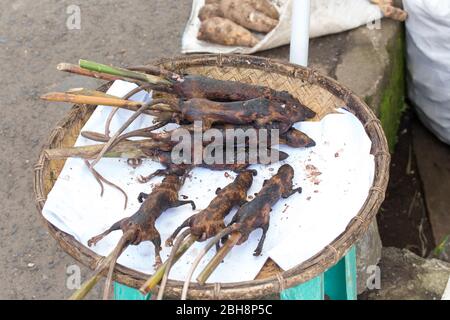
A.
pixel 320 93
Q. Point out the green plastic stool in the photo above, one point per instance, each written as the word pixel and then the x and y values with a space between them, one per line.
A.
pixel 338 283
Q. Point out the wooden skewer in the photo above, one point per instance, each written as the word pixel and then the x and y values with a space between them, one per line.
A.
pixel 153 281
pixel 220 255
pixel 216 239
pixel 124 73
pixel 71 68
pixel 99 98
pixel 93 100
pixel 124 149
pixel 91 93
pixel 104 264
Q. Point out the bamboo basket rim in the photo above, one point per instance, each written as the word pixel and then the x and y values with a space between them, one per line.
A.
pixel 304 271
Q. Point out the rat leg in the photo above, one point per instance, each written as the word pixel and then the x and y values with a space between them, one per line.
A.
pixel 142 196
pixel 183 202
pixel 185 224
pixel 234 220
pixel 258 249
pixel 291 192
pixel 114 227
pixel 145 179
pixel 157 243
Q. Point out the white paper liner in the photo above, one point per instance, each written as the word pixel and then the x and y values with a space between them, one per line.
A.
pixel 335 175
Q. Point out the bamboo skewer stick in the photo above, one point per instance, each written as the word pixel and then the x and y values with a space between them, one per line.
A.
pixel 130 120
pixel 93 100
pixel 170 262
pixel 91 93
pixel 200 256
pixel 153 281
pixel 86 287
pixel 95 136
pixel 97 99
pixel 143 133
pixel 124 149
pixel 220 255
pixel 125 97
pixel 156 71
pixel 121 246
pixel 67 67
pixel 102 68
pixel 71 68
pixel 105 263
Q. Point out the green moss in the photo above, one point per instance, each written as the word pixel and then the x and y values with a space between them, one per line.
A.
pixel 392 102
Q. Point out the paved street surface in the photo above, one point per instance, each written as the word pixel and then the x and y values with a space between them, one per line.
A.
pixel 34 38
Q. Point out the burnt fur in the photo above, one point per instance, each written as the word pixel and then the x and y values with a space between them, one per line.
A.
pixel 208 222
pixel 161 198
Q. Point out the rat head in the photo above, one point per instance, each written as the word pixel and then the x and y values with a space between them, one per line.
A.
pixel 299 112
pixel 141 230
pixel 286 173
pixel 297 139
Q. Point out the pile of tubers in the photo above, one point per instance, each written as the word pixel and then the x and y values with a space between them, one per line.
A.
pixel 234 22
pixel 185 100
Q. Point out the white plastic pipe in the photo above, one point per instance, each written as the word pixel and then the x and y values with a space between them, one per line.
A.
pixel 300 32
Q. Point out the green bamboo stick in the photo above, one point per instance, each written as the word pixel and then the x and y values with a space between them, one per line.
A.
pixel 71 68
pixel 102 68
pixel 218 258
pixel 85 288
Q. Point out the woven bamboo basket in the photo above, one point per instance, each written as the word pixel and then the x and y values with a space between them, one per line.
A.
pixel 318 92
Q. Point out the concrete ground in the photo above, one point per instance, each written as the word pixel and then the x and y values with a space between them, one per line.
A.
pixel 406 276
pixel 34 38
